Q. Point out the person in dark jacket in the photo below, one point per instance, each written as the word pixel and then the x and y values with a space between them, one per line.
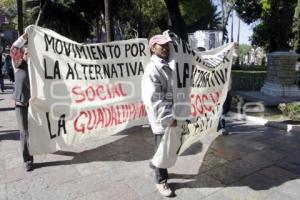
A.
pixel 9 68
pixel 21 95
pixel 1 74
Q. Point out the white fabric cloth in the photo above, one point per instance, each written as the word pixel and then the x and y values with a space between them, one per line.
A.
pixel 66 109
pixel 16 54
pixel 167 152
pixel 19 43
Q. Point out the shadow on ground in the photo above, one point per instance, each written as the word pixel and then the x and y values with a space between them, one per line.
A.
pixel 9 135
pixel 253 156
pixel 7 109
pixel 8 86
pixel 137 145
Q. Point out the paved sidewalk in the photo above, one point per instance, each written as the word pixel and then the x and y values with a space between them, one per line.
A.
pixel 253 162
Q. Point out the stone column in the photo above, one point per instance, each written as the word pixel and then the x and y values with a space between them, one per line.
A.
pixel 281 75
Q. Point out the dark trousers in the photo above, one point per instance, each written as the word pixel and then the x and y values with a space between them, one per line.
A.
pixel 225 109
pixel 1 83
pixel 161 174
pixel 22 119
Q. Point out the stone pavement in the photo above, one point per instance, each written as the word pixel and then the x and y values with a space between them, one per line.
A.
pixel 253 162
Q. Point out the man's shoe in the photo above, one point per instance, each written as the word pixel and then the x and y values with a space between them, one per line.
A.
pixel 224 132
pixel 151 165
pixel 28 166
pixel 164 189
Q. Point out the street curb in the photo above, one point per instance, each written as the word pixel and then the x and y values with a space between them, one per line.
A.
pixel 283 126
pixel 258 120
pixel 274 124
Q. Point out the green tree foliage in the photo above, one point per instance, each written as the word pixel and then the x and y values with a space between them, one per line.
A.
pixel 150 17
pixel 66 18
pixel 291 110
pixel 200 15
pixel 59 16
pixel 9 7
pixel 275 17
pixel 227 8
pixel 137 18
pixel 296 29
pixel 249 10
pixel 79 19
pixel 244 50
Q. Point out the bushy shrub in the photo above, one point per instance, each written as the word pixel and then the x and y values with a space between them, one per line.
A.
pixel 291 110
pixel 237 103
pixel 249 67
pixel 248 80
pixel 236 67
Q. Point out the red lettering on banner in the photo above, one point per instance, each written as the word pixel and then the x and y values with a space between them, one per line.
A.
pixel 204 98
pixel 104 117
pixel 215 97
pixel 90 125
pixel 194 113
pixel 142 112
pixel 90 93
pixel 76 90
pixel 204 103
pixel 81 127
pixel 114 116
pixel 100 92
pixel 101 117
pixel 199 104
pixel 118 115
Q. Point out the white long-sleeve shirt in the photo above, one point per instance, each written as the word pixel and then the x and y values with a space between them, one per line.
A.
pixel 15 52
pixel 157 95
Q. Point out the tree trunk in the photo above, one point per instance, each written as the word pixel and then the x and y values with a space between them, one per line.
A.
pixel 226 10
pixel 98 29
pixel 273 44
pixel 20 16
pixel 239 29
pixel 108 23
pixel 232 16
pixel 177 22
pixel 223 22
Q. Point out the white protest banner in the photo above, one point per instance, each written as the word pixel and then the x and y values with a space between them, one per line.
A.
pixel 82 91
pixel 202 80
pixel 79 91
pixel 210 79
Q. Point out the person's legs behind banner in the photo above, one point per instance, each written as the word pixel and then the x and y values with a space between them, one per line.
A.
pixel 161 174
pixel 22 119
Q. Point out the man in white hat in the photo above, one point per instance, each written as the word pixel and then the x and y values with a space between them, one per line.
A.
pixel 157 96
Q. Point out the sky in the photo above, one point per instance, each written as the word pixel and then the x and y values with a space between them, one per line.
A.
pixel 245 30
